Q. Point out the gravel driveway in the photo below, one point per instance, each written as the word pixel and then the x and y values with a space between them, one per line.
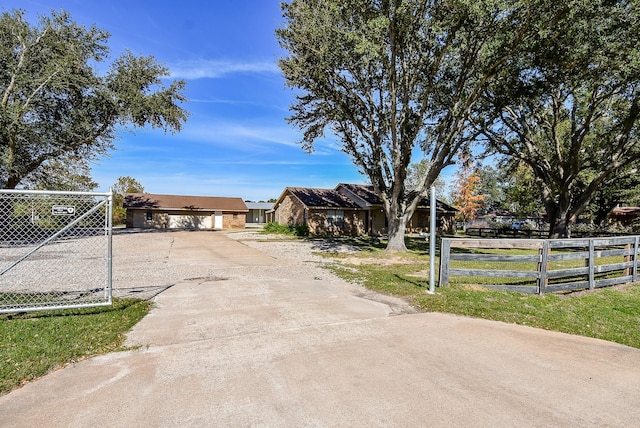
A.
pixel 141 267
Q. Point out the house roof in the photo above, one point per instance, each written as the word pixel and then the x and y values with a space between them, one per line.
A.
pixel 367 195
pixel 440 206
pixel 322 198
pixel 358 196
pixel 259 205
pixel 362 191
pixel 179 202
pixel 625 212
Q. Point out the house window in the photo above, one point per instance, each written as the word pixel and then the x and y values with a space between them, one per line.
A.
pixel 335 218
pixel 149 215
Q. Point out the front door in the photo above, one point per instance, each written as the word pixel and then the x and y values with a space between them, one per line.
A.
pixel 217 220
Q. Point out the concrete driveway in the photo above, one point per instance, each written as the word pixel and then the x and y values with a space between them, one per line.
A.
pixel 258 342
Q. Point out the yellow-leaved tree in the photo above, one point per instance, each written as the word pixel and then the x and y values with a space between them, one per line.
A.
pixel 466 196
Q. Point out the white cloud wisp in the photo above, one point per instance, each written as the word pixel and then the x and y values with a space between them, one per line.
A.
pixel 212 69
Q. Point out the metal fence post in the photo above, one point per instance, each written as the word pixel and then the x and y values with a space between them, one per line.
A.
pixel 432 243
pixel 109 258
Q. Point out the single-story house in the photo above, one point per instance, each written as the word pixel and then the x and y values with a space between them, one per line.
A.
pixel 350 209
pixel 323 211
pixel 147 210
pixel 258 212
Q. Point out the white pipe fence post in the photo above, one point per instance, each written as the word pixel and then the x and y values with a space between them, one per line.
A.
pixel 432 243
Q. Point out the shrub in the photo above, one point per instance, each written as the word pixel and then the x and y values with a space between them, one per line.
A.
pixel 302 230
pixel 501 225
pixel 526 226
pixel 273 227
pixel 283 229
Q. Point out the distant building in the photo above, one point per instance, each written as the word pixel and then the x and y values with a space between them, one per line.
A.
pixel 145 210
pixel 258 212
pixel 624 216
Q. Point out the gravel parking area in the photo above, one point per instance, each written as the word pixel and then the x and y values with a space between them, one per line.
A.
pixel 294 252
pixel 142 266
pixel 291 249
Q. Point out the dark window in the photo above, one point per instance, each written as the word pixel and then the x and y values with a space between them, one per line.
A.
pixel 149 215
pixel 335 217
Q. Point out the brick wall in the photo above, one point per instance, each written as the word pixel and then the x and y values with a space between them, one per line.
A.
pixel 233 220
pixel 160 220
pixel 421 220
pixel 353 223
pixel 290 212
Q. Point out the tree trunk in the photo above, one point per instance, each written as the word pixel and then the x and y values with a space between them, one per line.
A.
pixel 558 210
pixel 397 227
pixel 559 230
pixel 12 182
pixel 560 224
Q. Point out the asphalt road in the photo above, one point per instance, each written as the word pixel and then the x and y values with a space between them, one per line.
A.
pixel 257 342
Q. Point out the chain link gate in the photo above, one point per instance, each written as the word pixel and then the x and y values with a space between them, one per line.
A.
pixel 55 250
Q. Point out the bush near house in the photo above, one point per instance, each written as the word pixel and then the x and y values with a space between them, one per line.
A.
pixel 283 229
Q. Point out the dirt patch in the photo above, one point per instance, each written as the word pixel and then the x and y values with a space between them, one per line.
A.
pixel 359 261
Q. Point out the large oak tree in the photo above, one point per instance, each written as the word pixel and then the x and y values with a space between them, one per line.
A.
pixel 396 81
pixel 570 110
pixel 55 106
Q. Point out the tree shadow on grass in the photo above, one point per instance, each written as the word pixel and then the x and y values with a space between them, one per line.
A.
pixel 412 282
pixel 342 244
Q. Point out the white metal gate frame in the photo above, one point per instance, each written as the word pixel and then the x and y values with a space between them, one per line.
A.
pixel 103 205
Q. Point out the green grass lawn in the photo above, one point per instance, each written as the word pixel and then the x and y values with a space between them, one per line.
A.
pixel 609 313
pixel 32 344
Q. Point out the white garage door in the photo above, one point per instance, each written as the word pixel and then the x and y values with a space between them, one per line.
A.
pixel 189 222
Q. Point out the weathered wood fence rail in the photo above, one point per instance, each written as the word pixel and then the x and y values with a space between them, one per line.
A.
pixel 498 232
pixel 607 261
pixel 494 232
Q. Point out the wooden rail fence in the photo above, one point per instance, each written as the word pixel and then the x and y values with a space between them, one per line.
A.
pixel 619 267
pixel 502 232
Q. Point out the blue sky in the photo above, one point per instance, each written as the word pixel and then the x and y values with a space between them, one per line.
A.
pixel 236 141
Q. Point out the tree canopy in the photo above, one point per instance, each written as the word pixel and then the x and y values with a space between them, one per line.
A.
pixel 54 106
pixel 415 178
pixel 124 185
pixel 569 110
pixel 66 173
pixel 397 80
